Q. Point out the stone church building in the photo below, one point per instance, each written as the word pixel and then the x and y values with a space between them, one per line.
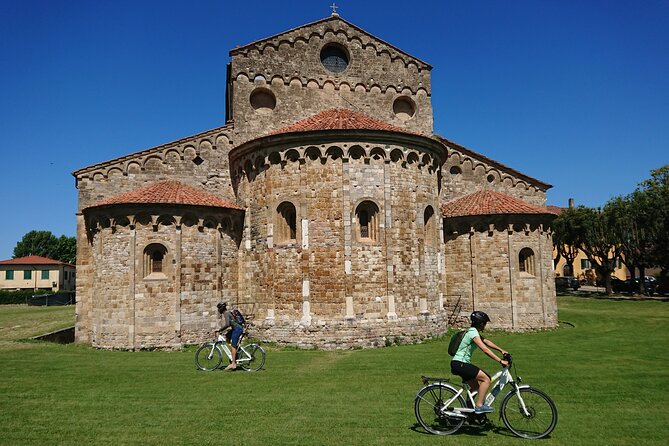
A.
pixel 325 208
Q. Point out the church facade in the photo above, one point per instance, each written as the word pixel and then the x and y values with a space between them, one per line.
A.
pixel 325 208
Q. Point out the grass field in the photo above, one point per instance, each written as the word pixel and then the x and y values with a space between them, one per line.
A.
pixel 607 375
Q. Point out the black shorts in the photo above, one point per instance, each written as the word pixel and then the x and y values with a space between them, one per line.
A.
pixel 464 370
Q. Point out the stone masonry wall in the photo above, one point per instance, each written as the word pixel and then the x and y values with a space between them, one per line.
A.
pixel 290 68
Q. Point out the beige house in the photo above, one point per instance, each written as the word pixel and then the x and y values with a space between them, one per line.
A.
pixel 37 273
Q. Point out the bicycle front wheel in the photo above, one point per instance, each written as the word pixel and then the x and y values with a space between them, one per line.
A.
pixel 538 417
pixel 251 357
pixel 428 408
pixel 208 357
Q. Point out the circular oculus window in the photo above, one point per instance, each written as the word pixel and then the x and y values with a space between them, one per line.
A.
pixel 334 58
pixel 404 108
pixel 262 100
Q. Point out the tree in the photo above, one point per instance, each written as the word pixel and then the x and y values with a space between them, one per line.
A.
pixel 566 237
pixel 656 196
pixel 597 242
pixel 45 244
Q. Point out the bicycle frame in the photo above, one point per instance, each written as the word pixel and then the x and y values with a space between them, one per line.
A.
pixel 220 340
pixel 497 383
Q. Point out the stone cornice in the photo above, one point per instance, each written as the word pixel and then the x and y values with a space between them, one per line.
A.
pixel 197 139
pixel 294 35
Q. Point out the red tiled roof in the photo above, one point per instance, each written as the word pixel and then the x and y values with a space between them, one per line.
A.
pixel 169 192
pixel 339 119
pixel 557 210
pixel 488 202
pixel 32 260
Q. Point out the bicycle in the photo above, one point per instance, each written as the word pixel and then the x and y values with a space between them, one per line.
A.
pixel 250 357
pixel 526 411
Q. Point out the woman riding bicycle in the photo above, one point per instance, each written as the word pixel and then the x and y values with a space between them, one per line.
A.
pixel 233 334
pixel 461 364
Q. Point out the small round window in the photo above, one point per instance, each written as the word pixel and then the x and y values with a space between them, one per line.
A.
pixel 262 100
pixel 404 108
pixel 334 58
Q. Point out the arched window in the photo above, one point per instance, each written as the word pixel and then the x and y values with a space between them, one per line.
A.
pixel 154 259
pixel 286 223
pixel 429 222
pixel 367 215
pixel 526 261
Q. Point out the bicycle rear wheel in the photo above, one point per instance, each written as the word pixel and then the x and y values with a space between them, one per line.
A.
pixel 537 421
pixel 253 359
pixel 208 357
pixel 428 405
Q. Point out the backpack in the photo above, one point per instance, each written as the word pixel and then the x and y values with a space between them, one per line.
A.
pixel 238 317
pixel 455 342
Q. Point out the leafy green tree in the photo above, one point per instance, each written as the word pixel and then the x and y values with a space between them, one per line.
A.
pixel 655 192
pixel 45 244
pixel 566 237
pixel 597 242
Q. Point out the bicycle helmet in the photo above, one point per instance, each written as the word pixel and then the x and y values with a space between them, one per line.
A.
pixel 222 306
pixel 479 318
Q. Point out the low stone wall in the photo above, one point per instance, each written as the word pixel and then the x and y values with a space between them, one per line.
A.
pixel 346 334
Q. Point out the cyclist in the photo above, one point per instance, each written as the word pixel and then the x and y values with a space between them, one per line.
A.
pixel 234 331
pixel 461 364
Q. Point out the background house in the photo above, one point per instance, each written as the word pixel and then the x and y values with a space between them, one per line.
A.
pixel 36 273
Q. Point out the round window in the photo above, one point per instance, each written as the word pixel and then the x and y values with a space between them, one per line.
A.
pixel 262 100
pixel 404 108
pixel 334 58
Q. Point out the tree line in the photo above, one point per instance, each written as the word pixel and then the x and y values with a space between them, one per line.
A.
pixel 633 229
pixel 45 244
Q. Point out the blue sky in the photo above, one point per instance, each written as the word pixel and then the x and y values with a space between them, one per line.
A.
pixel 574 93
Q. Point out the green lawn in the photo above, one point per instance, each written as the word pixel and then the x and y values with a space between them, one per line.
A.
pixel 606 374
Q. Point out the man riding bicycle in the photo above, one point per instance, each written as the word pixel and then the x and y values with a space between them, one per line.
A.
pixel 234 331
pixel 461 364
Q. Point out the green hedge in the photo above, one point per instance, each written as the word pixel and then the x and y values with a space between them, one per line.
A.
pixel 19 297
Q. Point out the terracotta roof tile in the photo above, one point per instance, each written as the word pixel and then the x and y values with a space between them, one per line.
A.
pixel 340 119
pixel 169 192
pixel 488 202
pixel 32 260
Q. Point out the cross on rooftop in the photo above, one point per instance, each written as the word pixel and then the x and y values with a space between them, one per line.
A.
pixel 334 8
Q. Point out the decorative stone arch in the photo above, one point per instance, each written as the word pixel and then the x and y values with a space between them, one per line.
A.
pixel 396 156
pixel 274 158
pixel 313 153
pixel 115 172
pixel 356 153
pixel 412 158
pixel 334 153
pixel 166 220
pixel 292 155
pixel 377 154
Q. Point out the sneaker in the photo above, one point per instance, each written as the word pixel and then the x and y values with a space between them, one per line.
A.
pixel 484 409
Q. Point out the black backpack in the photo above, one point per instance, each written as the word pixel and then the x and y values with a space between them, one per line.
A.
pixel 238 317
pixel 455 342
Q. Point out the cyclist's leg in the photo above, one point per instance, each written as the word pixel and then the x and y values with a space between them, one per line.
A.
pixel 234 343
pixel 482 381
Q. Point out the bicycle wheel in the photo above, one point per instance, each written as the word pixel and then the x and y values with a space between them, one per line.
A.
pixel 253 359
pixel 538 421
pixel 208 357
pixel 428 404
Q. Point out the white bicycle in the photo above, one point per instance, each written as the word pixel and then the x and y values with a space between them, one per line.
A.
pixel 442 408
pixel 250 357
